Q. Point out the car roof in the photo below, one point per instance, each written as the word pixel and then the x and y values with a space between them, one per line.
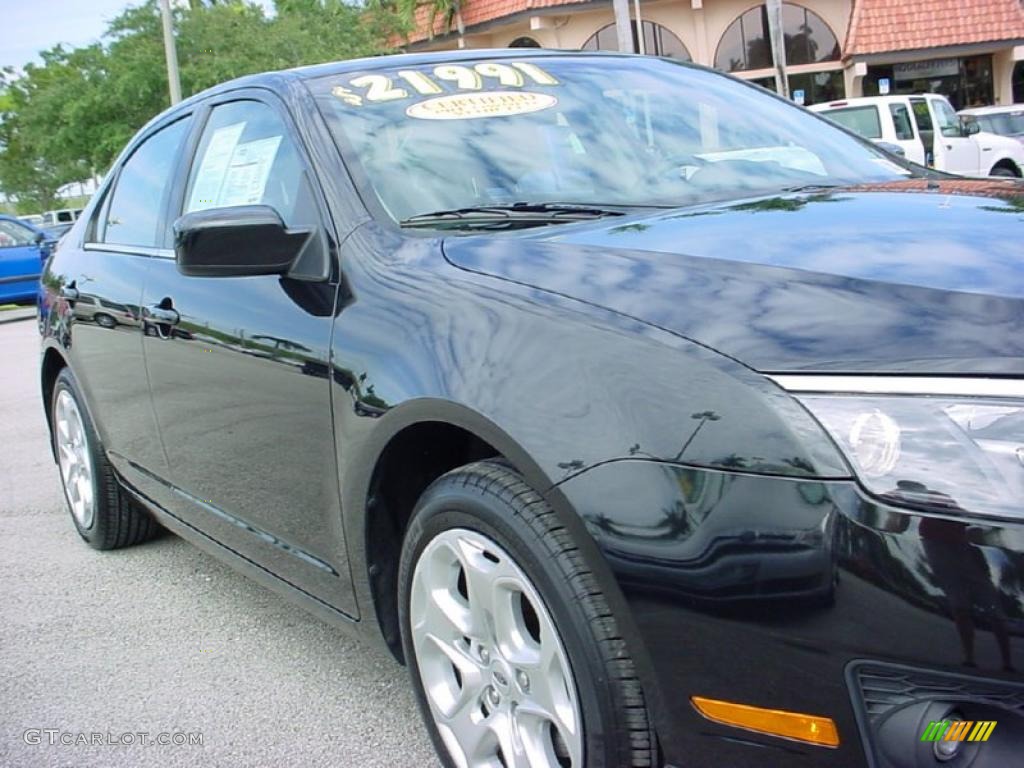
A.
pixel 861 101
pixel 281 79
pixel 277 78
pixel 994 110
pixel 434 57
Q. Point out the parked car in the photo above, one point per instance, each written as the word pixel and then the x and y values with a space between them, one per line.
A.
pixel 650 419
pixel 911 122
pixel 1001 120
pixel 61 216
pixel 23 249
pixel 57 231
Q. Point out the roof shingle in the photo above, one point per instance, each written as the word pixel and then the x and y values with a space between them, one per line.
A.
pixel 476 12
pixel 881 26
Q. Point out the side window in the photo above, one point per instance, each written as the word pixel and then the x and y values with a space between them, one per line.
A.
pixel 945 117
pixel 132 215
pixel 901 122
pixel 247 157
pixel 921 115
pixel 862 120
pixel 13 234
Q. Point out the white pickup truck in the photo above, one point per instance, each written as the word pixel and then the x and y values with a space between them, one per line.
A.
pixel 930 133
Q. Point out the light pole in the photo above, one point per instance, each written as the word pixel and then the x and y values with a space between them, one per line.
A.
pixel 170 52
pixel 622 26
pixel 778 43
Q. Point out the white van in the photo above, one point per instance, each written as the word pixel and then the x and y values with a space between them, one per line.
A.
pixel 930 133
pixel 61 216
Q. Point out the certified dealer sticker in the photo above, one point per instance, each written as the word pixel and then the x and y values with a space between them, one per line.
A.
pixel 466 106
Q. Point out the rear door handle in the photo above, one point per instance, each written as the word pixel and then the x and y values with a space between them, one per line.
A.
pixel 163 315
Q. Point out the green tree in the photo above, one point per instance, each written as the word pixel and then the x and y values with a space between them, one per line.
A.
pixel 65 119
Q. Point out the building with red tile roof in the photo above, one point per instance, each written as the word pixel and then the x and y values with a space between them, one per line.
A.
pixel 970 50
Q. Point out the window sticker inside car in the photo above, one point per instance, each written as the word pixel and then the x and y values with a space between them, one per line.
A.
pixel 407 83
pixel 247 175
pixel 466 106
pixel 232 173
pixel 214 166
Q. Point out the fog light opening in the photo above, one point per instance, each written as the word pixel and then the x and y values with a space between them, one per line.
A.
pixel 946 750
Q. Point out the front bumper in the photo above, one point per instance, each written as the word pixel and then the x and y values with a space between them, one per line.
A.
pixel 802 595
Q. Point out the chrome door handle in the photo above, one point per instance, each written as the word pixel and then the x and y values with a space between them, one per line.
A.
pixel 162 315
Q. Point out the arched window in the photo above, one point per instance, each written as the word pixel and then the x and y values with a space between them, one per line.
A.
pixel 658 41
pixel 524 42
pixel 745 44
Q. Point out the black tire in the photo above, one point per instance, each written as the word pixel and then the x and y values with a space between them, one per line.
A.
pixel 1003 172
pixel 491 499
pixel 118 520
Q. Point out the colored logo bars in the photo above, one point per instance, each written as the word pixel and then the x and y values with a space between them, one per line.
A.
pixel 958 730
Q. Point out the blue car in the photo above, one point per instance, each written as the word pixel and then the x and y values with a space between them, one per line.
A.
pixel 23 249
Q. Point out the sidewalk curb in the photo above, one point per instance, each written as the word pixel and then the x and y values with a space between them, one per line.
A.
pixel 14 315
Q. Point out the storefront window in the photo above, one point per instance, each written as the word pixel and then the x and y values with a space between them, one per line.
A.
pixel 965 82
pixel 818 86
pixel 658 41
pixel 1018 83
pixel 808 38
pixel 745 44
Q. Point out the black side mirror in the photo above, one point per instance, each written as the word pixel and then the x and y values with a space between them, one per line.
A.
pixel 40 238
pixel 969 127
pixel 236 242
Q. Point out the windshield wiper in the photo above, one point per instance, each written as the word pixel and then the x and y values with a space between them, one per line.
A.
pixel 812 187
pixel 543 212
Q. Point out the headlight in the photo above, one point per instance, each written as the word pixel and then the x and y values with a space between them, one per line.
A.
pixel 952 454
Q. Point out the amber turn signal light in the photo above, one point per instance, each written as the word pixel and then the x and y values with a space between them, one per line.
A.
pixel 774 722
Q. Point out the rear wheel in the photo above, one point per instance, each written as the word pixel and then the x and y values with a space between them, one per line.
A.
pixel 104 515
pixel 516 659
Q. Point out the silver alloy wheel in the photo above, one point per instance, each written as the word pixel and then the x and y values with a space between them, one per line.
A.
pixel 76 470
pixel 493 666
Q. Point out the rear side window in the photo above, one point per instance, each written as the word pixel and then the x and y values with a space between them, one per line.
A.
pixel 901 121
pixel 246 156
pixel 137 201
pixel 861 120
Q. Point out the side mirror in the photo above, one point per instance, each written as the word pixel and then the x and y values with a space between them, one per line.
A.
pixel 236 242
pixel 40 238
pixel 970 127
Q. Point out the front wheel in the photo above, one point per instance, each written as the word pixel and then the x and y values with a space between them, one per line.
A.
pixel 515 657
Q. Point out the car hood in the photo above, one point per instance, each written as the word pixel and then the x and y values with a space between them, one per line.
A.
pixel 915 276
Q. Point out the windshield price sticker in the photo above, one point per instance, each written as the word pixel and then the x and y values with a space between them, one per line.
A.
pixel 465 106
pixel 407 83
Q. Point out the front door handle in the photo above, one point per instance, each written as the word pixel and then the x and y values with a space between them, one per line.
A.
pixel 163 315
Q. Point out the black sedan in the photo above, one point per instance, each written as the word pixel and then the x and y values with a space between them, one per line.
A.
pixel 649 419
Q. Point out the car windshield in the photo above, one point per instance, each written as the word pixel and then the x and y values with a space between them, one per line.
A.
pixel 586 130
pixel 1003 123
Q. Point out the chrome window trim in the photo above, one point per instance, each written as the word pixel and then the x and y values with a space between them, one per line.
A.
pixel 952 386
pixel 132 250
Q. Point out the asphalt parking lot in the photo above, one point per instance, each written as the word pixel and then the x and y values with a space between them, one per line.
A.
pixel 162 639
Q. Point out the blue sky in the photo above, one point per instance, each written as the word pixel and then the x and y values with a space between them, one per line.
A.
pixel 34 25
pixel 29 26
